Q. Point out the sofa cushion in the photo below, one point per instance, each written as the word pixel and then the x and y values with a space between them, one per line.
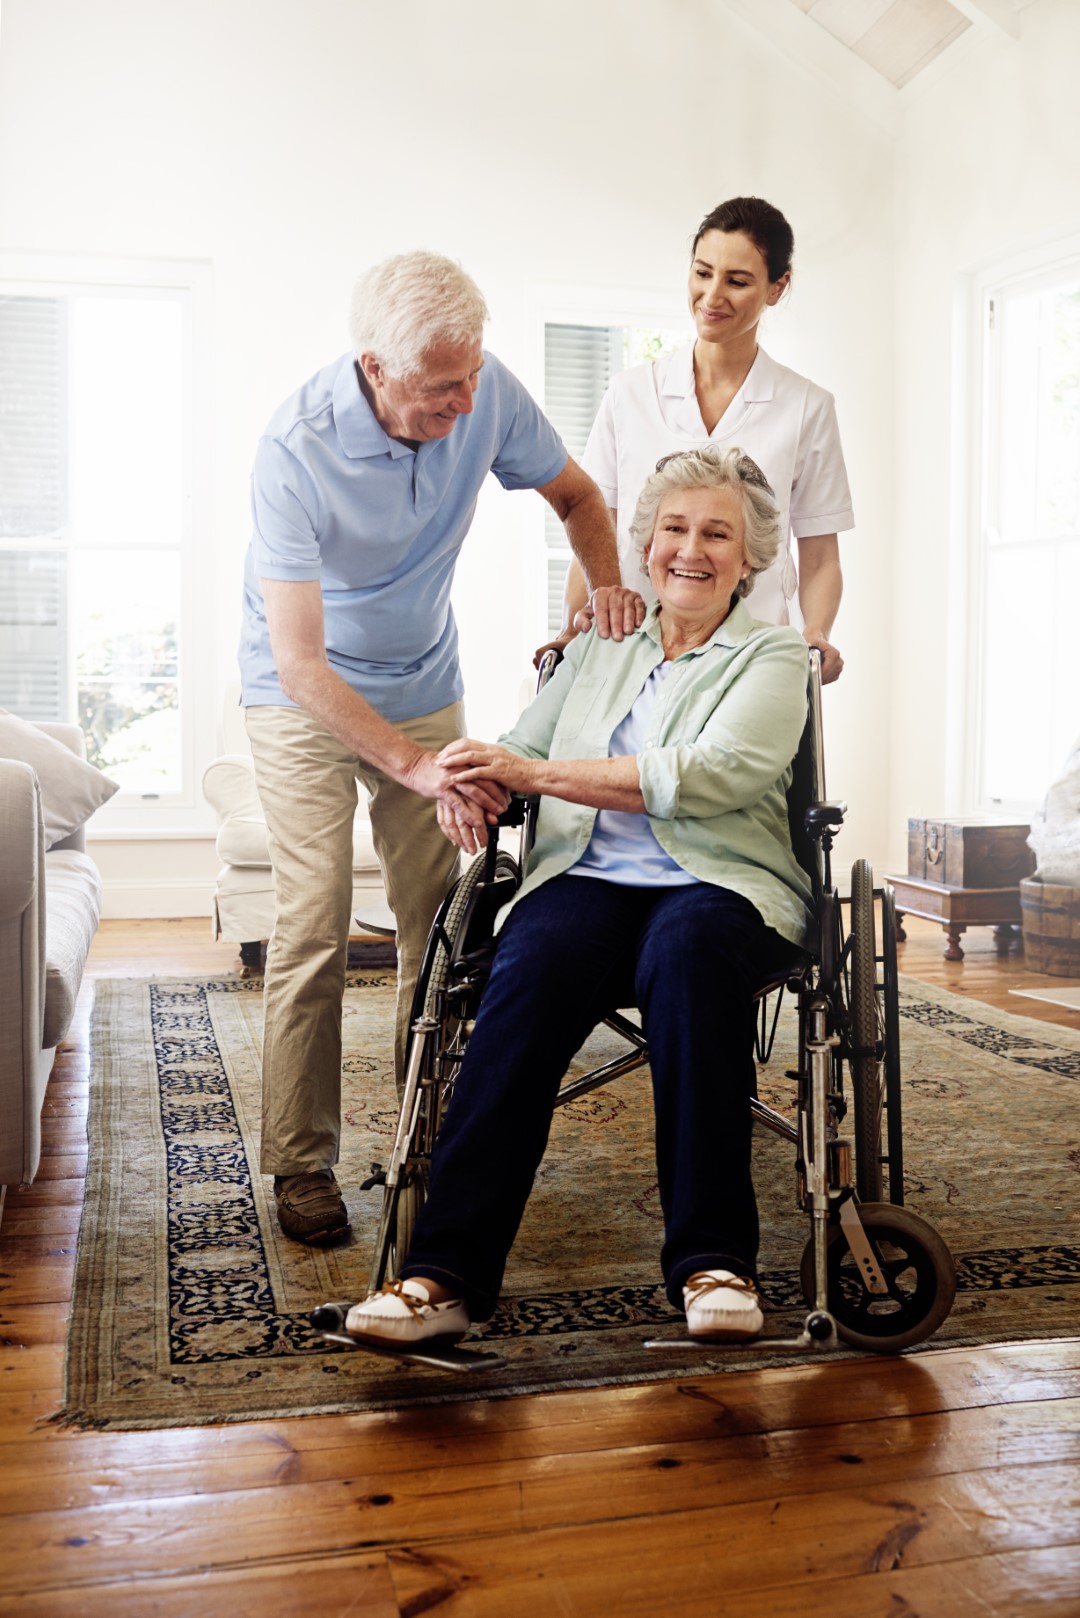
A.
pixel 72 911
pixel 71 789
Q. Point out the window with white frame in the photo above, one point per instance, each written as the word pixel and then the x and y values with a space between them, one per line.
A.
pixel 1028 574
pixel 96 525
pixel 579 362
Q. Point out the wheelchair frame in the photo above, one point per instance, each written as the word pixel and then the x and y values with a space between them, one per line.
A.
pixel 873 1274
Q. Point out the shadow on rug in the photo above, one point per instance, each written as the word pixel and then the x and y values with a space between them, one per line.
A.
pixel 189 1307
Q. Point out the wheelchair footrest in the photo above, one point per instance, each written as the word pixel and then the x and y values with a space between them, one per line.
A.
pixel 442 1353
pixel 819 1332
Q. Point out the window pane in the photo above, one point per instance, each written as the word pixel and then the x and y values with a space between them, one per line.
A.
pixel 1038 447
pixel 639 347
pixel 1058 510
pixel 1030 653
pixel 124 607
pixel 126 403
pixel 1016 730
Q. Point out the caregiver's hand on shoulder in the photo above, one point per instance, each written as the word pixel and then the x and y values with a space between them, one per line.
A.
pixel 615 610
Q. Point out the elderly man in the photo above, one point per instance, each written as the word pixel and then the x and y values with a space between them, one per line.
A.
pixel 364 487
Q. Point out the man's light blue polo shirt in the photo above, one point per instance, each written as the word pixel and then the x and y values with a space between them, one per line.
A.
pixel 334 498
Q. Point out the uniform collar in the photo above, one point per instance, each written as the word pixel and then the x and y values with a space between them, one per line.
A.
pixel 354 420
pixel 760 383
pixel 735 629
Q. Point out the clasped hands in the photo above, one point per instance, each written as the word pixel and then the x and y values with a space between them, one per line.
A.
pixel 472 781
pixel 477 780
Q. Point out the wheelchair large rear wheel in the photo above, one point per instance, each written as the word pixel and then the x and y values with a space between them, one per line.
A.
pixel 918 1270
pixel 867 1073
pixel 450 937
pixel 889 1005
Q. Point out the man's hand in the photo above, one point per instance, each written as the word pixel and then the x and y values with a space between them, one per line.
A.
pixel 832 663
pixel 614 609
pixel 464 810
pixel 455 815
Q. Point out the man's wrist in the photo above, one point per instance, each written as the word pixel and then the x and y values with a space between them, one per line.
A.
pixel 408 764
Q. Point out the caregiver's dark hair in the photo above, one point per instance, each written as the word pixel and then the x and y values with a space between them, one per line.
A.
pixel 765 225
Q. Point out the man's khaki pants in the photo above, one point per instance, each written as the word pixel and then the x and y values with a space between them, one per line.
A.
pixel 307 785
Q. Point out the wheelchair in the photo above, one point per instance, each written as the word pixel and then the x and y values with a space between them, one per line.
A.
pixel 873 1274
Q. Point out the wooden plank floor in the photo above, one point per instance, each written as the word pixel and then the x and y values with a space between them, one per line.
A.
pixel 936 1486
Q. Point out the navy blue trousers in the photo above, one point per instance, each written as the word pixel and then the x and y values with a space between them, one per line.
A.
pixel 570 952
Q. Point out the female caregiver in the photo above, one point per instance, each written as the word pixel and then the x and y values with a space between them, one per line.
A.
pixel 727 390
pixel 678 896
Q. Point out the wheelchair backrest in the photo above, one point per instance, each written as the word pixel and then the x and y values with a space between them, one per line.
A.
pixel 808 781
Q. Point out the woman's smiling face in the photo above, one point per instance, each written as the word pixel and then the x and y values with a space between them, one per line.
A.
pixel 729 286
pixel 696 556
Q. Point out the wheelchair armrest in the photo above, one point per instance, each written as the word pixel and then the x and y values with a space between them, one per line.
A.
pixel 515 813
pixel 820 816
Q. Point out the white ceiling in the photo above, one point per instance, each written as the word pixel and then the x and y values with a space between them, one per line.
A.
pixel 898 38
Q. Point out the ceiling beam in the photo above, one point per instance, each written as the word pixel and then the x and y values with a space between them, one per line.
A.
pixel 1004 14
pixel 817 56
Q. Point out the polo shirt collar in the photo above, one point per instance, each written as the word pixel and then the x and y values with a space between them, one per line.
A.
pixel 760 383
pixel 735 629
pixel 354 420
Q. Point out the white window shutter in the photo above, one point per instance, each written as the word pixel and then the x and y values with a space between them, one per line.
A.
pixel 579 362
pixel 33 507
pixel 33 428
pixel 33 633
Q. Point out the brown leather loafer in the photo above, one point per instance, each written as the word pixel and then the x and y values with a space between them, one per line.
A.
pixel 310 1206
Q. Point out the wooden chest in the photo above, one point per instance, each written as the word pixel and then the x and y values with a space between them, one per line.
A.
pixel 970 853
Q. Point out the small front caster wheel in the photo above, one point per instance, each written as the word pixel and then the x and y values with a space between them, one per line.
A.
pixel 919 1273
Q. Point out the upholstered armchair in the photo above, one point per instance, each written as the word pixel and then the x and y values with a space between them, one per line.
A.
pixel 243 903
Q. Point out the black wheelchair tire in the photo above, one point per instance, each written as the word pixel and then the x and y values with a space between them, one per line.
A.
pixel 866 1033
pixel 412 1194
pixel 428 1001
pixel 918 1267
pixel 452 914
pixel 890 1014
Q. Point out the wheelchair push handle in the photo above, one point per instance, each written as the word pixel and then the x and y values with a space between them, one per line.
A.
pixel 521 810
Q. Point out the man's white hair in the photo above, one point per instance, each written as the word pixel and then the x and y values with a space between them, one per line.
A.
pixel 404 306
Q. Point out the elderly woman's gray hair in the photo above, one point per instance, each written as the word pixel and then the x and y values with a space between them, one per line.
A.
pixel 713 468
pixel 402 307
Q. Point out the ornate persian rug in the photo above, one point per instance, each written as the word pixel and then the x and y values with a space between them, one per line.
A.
pixel 189 1307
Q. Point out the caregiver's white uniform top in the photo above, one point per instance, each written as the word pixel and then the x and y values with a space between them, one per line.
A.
pixel 786 423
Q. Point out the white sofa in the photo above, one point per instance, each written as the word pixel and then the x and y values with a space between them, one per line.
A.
pixel 243 903
pixel 50 905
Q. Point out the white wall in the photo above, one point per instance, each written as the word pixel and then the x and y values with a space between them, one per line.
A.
pixel 988 171
pixel 571 146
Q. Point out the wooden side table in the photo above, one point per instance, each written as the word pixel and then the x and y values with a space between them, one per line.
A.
pixel 957 909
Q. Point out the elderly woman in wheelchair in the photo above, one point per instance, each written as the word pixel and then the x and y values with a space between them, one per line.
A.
pixel 662 875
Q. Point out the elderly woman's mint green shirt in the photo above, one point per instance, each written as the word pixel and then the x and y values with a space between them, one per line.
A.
pixel 715 764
